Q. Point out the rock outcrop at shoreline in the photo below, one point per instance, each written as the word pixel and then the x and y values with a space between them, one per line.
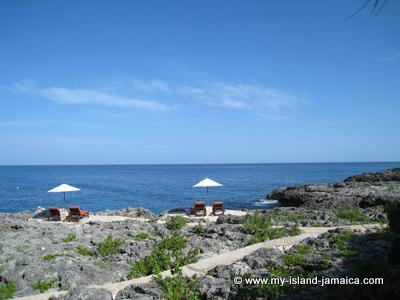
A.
pixel 365 190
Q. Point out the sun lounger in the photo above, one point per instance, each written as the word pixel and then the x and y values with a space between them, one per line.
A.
pixel 199 209
pixel 218 208
pixel 75 213
pixel 55 214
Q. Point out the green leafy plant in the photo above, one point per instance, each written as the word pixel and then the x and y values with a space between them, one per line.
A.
pixel 51 257
pixel 7 289
pixel 141 236
pixel 304 249
pixel 69 238
pixel 44 285
pixel 82 250
pixel 199 229
pixel 168 254
pixel 293 259
pixel 353 215
pixel 176 223
pixel 179 287
pixel 260 227
pixel 109 246
pixel 340 242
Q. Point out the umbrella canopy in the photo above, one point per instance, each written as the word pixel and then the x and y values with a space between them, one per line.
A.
pixel 207 183
pixel 63 188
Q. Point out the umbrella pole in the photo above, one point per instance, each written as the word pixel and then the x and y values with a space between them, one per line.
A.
pixel 207 193
pixel 64 196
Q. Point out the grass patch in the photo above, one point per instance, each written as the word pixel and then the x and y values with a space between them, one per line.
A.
pixel 168 254
pixel 353 215
pixel 282 216
pixel 7 290
pixel 103 265
pixel 141 236
pixel 176 223
pixel 82 250
pixel 69 238
pixel 109 246
pixel 304 249
pixel 293 259
pixel 259 226
pixel 199 229
pixel 179 287
pixel 44 285
pixel 51 257
pixel 339 241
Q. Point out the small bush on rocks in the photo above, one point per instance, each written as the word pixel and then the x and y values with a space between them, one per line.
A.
pixel 82 250
pixel 339 241
pixel 176 223
pixel 44 285
pixel 304 249
pixel 168 254
pixel 393 213
pixel 142 236
pixel 51 257
pixel 7 290
pixel 293 259
pixel 353 215
pixel 109 246
pixel 199 229
pixel 69 238
pixel 179 287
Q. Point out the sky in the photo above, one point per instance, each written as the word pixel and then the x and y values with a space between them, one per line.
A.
pixel 138 82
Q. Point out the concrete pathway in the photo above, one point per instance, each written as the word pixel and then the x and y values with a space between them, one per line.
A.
pixel 226 258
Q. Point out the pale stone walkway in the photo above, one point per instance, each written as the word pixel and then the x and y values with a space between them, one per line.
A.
pixel 226 258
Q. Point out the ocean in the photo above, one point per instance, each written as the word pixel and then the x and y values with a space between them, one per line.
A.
pixel 163 187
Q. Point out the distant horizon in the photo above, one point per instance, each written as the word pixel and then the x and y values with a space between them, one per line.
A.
pixel 222 163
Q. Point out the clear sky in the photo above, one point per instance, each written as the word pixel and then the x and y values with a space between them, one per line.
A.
pixel 85 82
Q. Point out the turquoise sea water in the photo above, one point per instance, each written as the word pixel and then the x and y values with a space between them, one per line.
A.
pixel 162 187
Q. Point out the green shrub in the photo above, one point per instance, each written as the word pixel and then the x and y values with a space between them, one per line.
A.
pixel 282 216
pixel 82 250
pixel 199 229
pixel 168 254
pixel 21 248
pixel 69 238
pixel 304 249
pixel 176 223
pixel 353 215
pixel 260 227
pixel 109 246
pixel 293 259
pixel 340 242
pixel 51 257
pixel 141 236
pixel 179 287
pixel 393 213
pixel 44 285
pixel 7 290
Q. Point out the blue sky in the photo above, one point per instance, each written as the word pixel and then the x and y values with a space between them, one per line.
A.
pixel 86 82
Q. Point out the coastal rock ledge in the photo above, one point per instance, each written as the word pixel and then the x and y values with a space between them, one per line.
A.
pixel 364 190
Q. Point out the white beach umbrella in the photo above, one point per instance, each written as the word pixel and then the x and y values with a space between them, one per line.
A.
pixel 207 183
pixel 63 188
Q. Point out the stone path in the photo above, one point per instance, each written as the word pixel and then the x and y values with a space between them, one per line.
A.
pixel 226 258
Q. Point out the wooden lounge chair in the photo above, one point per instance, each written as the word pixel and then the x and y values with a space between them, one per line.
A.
pixel 55 214
pixel 218 207
pixel 75 213
pixel 199 209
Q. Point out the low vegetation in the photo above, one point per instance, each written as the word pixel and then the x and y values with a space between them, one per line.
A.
pixel 142 236
pixel 82 250
pixel 293 259
pixel 7 290
pixel 44 285
pixel 259 225
pixel 168 254
pixel 69 238
pixel 199 229
pixel 282 216
pixel 340 242
pixel 179 287
pixel 354 215
pixel 303 249
pixel 176 223
pixel 51 257
pixel 109 246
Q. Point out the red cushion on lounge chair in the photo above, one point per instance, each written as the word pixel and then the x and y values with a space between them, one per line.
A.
pixel 199 203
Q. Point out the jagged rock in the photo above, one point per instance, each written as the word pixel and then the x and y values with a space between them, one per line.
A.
pixel 214 288
pixel 149 291
pixel 366 190
pixel 84 293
